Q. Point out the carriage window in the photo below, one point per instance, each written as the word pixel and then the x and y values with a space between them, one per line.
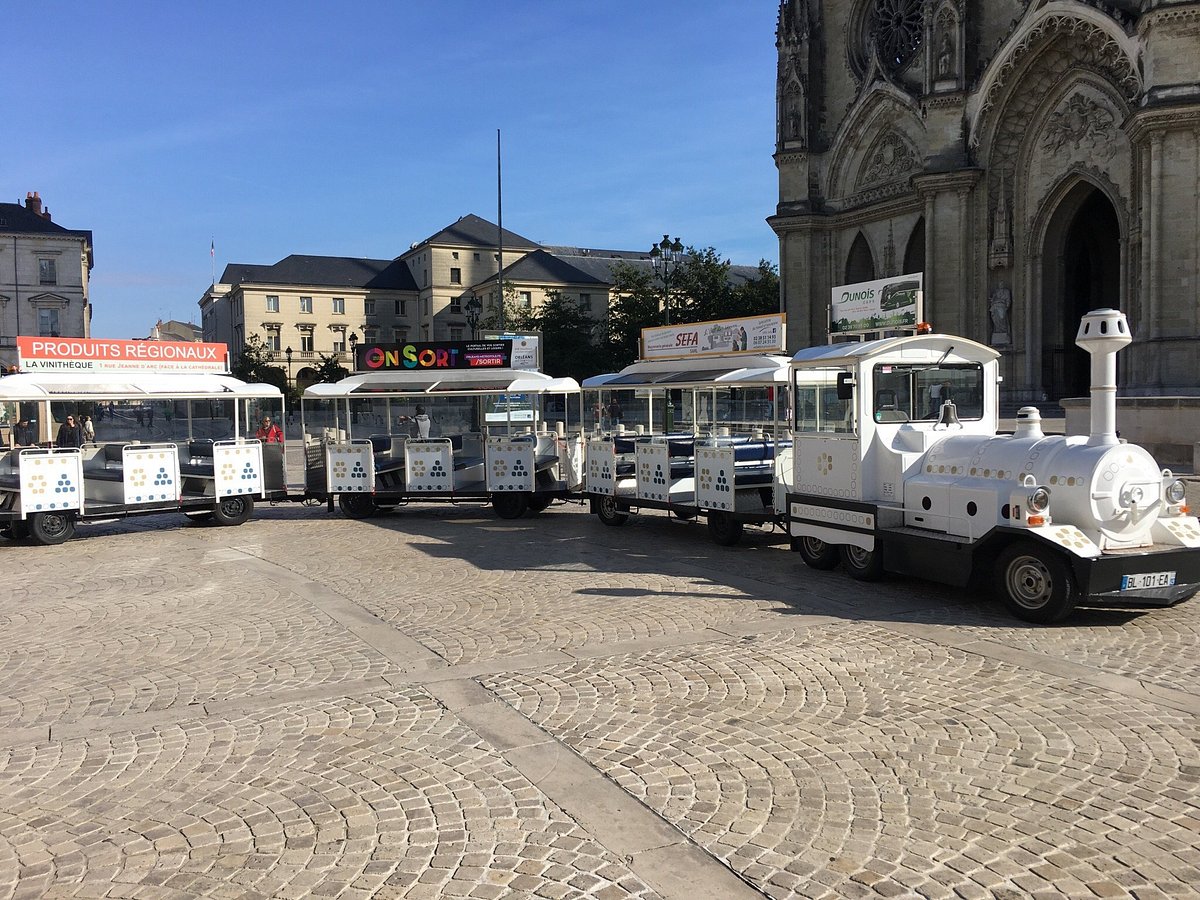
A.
pixel 905 393
pixel 818 409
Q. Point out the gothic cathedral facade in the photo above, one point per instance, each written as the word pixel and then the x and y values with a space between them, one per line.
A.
pixel 1034 159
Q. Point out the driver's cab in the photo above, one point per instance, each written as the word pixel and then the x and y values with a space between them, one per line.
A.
pixel 865 411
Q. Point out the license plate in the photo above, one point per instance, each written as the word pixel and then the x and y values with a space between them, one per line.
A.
pixel 1147 580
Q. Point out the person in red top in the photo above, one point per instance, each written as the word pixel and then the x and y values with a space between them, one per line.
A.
pixel 269 432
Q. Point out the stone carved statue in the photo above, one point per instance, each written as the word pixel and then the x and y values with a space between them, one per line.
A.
pixel 945 55
pixel 999 304
pixel 793 124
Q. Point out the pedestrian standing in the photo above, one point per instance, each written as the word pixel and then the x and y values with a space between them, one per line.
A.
pixel 89 430
pixel 70 434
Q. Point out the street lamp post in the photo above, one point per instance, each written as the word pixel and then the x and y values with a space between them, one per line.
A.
pixel 290 384
pixel 353 355
pixel 472 309
pixel 666 257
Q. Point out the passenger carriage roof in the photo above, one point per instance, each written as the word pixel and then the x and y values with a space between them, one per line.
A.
pixel 919 348
pixel 705 371
pixel 463 381
pixel 30 386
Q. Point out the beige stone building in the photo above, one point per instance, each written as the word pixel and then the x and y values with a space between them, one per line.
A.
pixel 45 270
pixel 314 305
pixel 1034 159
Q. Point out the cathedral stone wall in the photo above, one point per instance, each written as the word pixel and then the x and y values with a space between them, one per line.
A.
pixel 1047 154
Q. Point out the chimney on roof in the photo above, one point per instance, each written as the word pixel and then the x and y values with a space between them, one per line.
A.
pixel 33 202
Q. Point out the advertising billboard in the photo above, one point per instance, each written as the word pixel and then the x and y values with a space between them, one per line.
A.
pixel 526 348
pixel 439 355
pixel 754 334
pixel 888 303
pixel 88 355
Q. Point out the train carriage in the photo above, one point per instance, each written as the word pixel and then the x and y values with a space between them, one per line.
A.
pixel 704 436
pixel 377 440
pixel 898 467
pixel 164 441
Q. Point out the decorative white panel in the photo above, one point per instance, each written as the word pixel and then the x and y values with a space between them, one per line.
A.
pixel 653 471
pixel 571 459
pixel 827 467
pixel 601 471
pixel 51 480
pixel 350 468
pixel 150 472
pixel 238 468
pixel 429 466
pixel 509 465
pixel 714 478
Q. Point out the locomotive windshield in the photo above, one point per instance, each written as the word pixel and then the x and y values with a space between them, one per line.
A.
pixel 905 393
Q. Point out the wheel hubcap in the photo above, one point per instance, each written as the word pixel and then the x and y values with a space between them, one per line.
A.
pixel 1029 582
pixel 859 558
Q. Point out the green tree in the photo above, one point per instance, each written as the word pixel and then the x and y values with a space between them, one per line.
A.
pixel 758 296
pixel 636 303
pixel 569 346
pixel 328 370
pixel 700 288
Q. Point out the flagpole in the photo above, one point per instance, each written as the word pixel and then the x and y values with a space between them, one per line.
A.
pixel 499 233
pixel 212 253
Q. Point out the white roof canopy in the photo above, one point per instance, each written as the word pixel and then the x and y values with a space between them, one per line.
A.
pixel 447 381
pixel 30 386
pixel 705 371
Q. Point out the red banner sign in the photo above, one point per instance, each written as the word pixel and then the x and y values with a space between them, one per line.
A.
pixel 60 354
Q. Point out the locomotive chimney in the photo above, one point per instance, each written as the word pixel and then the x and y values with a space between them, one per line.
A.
pixel 1102 333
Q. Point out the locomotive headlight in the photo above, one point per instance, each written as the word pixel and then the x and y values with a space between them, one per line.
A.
pixel 1039 500
pixel 1175 492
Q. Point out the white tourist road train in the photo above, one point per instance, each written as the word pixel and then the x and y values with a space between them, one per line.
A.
pixel 880 456
pixel 163 442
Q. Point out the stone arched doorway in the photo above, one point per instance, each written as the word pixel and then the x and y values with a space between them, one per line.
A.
pixel 1081 272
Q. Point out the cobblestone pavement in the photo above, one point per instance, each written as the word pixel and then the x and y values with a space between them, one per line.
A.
pixel 439 703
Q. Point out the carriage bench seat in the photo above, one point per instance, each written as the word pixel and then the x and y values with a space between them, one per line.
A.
pixel 200 460
pixel 10 482
pixel 385 462
pixel 107 465
pixel 467 462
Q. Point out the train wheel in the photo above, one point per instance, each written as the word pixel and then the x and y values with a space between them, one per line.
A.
pixel 862 565
pixel 357 506
pixel 233 510
pixel 610 513
pixel 510 506
pixel 1035 584
pixel 51 527
pixel 724 529
pixel 815 552
pixel 539 502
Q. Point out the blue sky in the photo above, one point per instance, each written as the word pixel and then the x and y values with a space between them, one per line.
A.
pixel 354 130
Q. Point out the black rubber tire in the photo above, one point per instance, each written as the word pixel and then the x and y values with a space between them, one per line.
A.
pixel 816 553
pixel 685 514
pixel 16 530
pixel 1035 583
pixel 510 505
pixel 539 502
pixel 862 565
pixel 609 512
pixel 357 506
pixel 724 529
pixel 50 528
pixel 233 510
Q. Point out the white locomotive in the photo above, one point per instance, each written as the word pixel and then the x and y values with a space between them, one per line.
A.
pixel 897 467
